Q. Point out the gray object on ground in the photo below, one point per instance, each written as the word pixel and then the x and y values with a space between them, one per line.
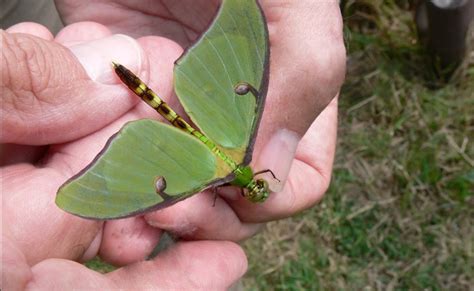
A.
pixel 442 27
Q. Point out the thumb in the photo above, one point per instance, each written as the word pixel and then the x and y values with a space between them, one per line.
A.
pixel 52 94
pixel 197 265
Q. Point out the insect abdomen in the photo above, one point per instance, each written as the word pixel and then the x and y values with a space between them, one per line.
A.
pixel 151 98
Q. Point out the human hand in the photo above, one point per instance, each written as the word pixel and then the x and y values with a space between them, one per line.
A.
pixel 307 68
pixel 308 82
pixel 56 113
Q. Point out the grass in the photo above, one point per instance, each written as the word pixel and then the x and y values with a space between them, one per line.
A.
pixel 399 212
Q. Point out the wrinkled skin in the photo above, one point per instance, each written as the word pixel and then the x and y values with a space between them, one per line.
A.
pixel 61 102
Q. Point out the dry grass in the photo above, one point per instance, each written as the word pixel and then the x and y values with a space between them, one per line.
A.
pixel 399 211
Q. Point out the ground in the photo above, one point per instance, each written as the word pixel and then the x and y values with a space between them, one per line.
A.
pixel 399 212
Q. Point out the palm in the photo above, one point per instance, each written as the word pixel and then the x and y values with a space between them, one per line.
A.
pixel 181 21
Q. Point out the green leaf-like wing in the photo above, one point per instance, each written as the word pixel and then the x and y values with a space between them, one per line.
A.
pixel 234 49
pixel 120 182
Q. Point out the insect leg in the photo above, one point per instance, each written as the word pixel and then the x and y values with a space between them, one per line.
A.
pixel 267 171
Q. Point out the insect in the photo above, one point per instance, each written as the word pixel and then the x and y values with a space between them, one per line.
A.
pixel 221 81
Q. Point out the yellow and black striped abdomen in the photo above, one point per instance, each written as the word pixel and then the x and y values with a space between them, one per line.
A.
pixel 151 98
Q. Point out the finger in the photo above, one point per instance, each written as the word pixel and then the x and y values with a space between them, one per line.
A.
pixel 13 153
pixel 128 240
pixel 180 21
pixel 15 269
pixel 309 175
pixel 48 97
pixel 202 217
pixel 307 62
pixel 73 34
pixel 72 275
pixel 34 222
pixel 307 67
pixel 200 265
pixel 81 32
pixel 31 28
pixel 93 249
pixel 186 266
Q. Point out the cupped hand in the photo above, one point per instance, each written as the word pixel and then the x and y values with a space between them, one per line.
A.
pixel 60 102
pixel 307 68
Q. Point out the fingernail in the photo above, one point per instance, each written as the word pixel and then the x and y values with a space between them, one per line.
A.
pixel 93 248
pixel 277 155
pixel 96 56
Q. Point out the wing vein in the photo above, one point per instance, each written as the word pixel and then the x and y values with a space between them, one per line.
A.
pixel 228 122
pixel 253 35
pixel 241 72
pixel 228 77
pixel 207 71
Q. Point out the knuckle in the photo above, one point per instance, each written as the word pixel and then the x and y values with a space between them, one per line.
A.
pixel 314 192
pixel 330 62
pixel 24 65
pixel 26 77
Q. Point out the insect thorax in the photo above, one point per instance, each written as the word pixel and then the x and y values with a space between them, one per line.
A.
pixel 243 176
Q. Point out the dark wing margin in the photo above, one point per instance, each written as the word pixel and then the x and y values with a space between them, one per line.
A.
pixel 260 98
